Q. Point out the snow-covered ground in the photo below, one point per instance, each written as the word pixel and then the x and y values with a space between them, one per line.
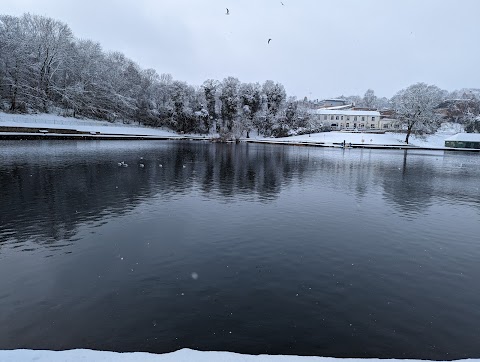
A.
pixel 436 140
pixel 388 139
pixel 183 355
pixel 329 138
pixel 88 125
pixel 51 119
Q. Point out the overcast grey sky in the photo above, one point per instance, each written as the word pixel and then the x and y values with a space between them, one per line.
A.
pixel 319 48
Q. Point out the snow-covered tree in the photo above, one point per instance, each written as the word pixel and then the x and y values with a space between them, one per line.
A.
pixel 145 101
pixel 44 68
pixel 357 101
pixel 183 119
pixel 229 97
pixel 54 43
pixel 163 98
pixel 464 110
pixel 383 103
pixel 415 107
pixel 84 93
pixel 251 101
pixel 210 87
pixel 275 96
pixel 470 113
pixel 299 119
pixel 16 58
pixel 473 126
pixel 370 99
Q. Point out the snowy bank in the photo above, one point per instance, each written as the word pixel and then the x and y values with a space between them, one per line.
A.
pixel 50 121
pixel 52 126
pixel 436 140
pixel 183 355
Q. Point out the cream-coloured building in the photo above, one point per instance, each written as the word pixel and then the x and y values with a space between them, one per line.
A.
pixel 348 119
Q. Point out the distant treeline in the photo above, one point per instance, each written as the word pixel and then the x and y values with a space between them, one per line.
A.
pixel 44 68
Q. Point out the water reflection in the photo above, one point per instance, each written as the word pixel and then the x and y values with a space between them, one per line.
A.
pixel 426 178
pixel 295 249
pixel 47 188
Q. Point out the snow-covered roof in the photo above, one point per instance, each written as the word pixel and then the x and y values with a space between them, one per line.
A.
pixel 342 112
pixel 335 100
pixel 466 137
pixel 345 106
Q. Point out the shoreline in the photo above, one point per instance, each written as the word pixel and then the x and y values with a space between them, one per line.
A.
pixel 355 145
pixel 28 136
pixel 181 355
pixel 23 131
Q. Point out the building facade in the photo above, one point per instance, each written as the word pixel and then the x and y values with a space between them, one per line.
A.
pixel 351 120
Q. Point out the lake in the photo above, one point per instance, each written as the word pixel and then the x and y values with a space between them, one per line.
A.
pixel 248 248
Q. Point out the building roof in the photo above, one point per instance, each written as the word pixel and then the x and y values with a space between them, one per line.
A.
pixel 342 112
pixel 363 109
pixel 345 106
pixel 335 100
pixel 465 137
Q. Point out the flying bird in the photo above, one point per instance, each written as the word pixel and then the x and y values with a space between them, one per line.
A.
pixel 282 3
pixel 268 42
pixel 228 12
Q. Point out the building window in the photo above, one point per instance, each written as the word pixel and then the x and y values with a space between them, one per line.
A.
pixel 362 125
pixel 385 125
pixel 372 126
pixel 331 118
pixel 336 117
pixel 363 118
pixel 348 118
pixel 355 118
pixel 347 125
pixel 397 126
pixel 334 125
pixel 373 119
pixel 341 125
pixel 342 118
pixel 325 118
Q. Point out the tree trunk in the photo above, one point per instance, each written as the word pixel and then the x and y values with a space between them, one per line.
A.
pixel 13 104
pixel 409 130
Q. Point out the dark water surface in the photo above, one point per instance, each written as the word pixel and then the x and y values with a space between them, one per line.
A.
pixel 244 248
